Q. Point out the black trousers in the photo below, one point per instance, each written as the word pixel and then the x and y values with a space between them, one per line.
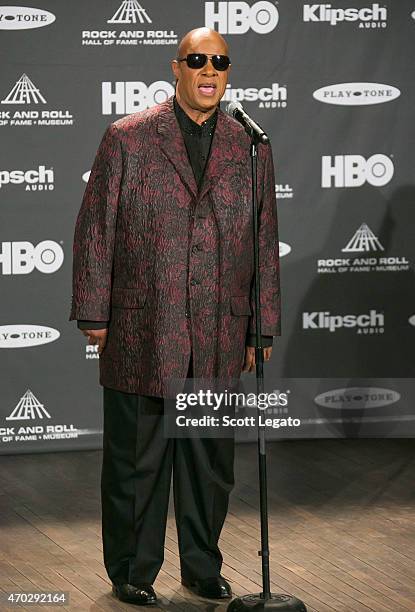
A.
pixel 138 464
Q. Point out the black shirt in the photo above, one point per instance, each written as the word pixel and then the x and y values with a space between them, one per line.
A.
pixel 197 138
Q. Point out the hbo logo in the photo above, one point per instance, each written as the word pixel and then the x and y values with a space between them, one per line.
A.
pixel 23 257
pixel 133 96
pixel 238 17
pixel 355 170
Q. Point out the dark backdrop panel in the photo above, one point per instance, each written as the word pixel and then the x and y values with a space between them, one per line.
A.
pixel 344 175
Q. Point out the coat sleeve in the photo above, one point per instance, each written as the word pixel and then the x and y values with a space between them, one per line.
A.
pixel 268 254
pixel 94 236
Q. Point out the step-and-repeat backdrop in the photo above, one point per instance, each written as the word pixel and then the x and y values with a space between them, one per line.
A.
pixel 332 83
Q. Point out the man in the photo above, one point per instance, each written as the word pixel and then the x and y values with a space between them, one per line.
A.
pixel 162 282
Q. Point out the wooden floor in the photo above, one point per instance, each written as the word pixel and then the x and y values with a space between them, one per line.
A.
pixel 342 528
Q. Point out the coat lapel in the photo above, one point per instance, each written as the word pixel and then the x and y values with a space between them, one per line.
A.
pixel 172 143
pixel 222 153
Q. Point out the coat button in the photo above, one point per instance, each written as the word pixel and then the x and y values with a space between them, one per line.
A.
pixel 195 248
pixel 194 281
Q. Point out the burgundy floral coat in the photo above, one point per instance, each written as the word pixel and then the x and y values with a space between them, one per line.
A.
pixel 133 256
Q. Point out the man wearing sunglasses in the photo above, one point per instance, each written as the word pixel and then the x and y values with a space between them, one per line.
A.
pixel 162 282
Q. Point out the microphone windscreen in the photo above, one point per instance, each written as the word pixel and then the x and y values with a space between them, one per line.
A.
pixel 233 107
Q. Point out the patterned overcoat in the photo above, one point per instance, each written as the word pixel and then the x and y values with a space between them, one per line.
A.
pixel 135 258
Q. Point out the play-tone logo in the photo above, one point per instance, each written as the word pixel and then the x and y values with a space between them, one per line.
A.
pixel 24 18
pixel 356 94
pixel 370 323
pixel 357 397
pixel 365 242
pixel 284 249
pixel 355 170
pixel 367 17
pixel 23 336
pixel 129 12
pixel 274 96
pixel 25 92
pixel 240 17
pixel 34 180
pixel 126 97
pixel 23 257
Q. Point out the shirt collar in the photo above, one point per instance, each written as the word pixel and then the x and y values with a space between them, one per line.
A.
pixel 191 127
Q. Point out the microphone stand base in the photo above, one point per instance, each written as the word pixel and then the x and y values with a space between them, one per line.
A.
pixel 257 603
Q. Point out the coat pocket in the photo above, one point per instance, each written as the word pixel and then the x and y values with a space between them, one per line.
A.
pixel 240 305
pixel 128 297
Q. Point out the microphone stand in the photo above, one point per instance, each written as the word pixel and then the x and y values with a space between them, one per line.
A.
pixel 265 600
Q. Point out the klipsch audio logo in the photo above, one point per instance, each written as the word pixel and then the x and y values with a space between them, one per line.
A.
pixel 23 257
pixel 29 408
pixel 123 98
pixel 356 94
pixel 374 16
pixel 371 323
pixel 24 18
pixel 23 336
pixel 355 170
pixel 41 179
pixel 25 92
pixel 240 17
pixel 366 244
pixel 274 96
pixel 129 13
pixel 357 397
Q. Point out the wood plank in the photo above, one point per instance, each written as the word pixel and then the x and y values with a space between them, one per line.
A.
pixel 342 528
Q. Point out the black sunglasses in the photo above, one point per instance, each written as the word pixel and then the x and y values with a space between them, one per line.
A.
pixel 198 60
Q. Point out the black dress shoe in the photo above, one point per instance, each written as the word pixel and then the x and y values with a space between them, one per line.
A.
pixel 141 595
pixel 211 588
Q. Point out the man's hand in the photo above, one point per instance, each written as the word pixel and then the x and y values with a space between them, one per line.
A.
pixel 249 365
pixel 96 336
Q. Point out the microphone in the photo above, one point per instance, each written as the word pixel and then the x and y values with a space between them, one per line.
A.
pixel 253 130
